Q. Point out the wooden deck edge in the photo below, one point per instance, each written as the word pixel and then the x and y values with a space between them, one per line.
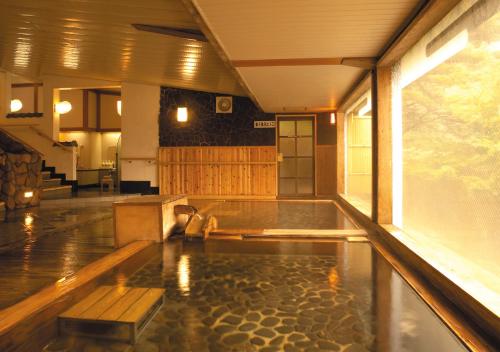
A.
pixel 450 303
pixel 33 320
pixel 229 197
pixel 260 199
pixel 309 233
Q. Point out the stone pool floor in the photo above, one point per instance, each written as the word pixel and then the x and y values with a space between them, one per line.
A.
pixel 277 296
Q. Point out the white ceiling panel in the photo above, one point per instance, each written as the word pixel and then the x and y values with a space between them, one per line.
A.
pixel 299 88
pixel 302 29
pixel 264 29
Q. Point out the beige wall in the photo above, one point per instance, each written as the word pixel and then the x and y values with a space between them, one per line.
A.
pixel 93 147
pixel 140 139
pixel 74 118
pixel 109 141
pixel 27 97
pixel 108 113
pixel 49 124
pixel 83 140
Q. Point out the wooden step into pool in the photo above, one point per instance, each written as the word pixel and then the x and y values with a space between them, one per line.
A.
pixel 112 312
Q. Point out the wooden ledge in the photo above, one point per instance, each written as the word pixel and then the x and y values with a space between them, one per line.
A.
pixel 24 320
pixel 148 200
pixel 288 233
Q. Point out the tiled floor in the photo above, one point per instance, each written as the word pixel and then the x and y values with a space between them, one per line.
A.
pixel 24 225
pixel 278 296
pixel 274 214
pixel 42 245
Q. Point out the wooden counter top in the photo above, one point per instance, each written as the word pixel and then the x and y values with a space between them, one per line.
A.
pixel 149 200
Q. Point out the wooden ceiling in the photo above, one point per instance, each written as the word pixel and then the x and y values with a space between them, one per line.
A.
pixel 291 55
pixel 297 55
pixel 95 39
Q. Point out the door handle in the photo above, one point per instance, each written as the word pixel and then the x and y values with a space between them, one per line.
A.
pixel 280 157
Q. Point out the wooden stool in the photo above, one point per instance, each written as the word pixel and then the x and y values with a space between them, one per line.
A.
pixel 107 180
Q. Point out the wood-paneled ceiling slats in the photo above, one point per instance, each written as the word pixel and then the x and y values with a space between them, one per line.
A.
pixel 95 39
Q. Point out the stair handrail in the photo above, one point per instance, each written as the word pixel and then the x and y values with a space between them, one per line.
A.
pixel 55 143
pixel 28 146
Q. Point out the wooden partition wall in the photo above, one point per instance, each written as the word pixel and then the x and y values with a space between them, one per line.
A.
pixel 326 174
pixel 218 171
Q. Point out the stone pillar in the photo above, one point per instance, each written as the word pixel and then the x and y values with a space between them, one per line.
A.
pixel 19 174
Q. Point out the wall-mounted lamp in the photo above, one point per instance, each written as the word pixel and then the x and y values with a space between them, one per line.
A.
pixel 332 118
pixel 119 107
pixel 28 194
pixel 15 105
pixel 63 107
pixel 182 114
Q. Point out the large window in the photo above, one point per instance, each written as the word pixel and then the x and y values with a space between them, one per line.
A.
pixel 358 171
pixel 446 135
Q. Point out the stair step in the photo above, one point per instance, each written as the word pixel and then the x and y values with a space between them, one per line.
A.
pixel 46 175
pixel 49 182
pixel 56 192
pixel 112 312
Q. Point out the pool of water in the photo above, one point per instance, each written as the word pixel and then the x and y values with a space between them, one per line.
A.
pixel 274 214
pixel 278 296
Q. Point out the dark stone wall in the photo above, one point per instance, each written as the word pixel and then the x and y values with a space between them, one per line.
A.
pixel 206 128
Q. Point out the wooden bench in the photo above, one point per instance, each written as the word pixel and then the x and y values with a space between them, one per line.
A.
pixel 145 218
pixel 112 312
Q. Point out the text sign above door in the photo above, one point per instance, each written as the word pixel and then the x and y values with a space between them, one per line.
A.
pixel 264 124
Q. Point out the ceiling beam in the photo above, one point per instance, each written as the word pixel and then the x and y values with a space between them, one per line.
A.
pixel 192 34
pixel 362 62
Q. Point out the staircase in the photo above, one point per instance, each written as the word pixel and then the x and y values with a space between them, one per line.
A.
pixel 54 185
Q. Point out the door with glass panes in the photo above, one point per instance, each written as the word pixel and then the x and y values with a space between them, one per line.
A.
pixel 296 156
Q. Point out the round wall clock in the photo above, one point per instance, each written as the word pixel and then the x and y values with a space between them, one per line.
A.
pixel 224 105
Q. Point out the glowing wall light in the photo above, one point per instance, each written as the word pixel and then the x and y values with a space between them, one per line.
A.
pixel 182 114
pixel 15 105
pixel 63 107
pixel 119 107
pixel 28 194
pixel 332 118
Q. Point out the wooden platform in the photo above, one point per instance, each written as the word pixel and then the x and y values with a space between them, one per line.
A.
pixel 145 218
pixel 112 312
pixel 36 316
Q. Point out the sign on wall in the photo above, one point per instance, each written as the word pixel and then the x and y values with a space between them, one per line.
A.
pixel 264 124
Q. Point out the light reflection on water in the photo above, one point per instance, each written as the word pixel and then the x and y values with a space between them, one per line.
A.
pixel 183 272
pixel 28 220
